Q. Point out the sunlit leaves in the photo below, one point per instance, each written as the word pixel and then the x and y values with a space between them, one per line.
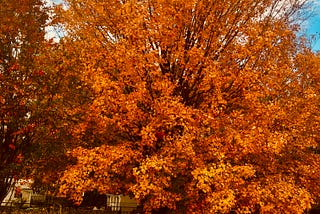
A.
pixel 206 105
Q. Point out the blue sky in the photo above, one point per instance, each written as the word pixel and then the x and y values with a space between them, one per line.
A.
pixel 314 29
pixel 312 26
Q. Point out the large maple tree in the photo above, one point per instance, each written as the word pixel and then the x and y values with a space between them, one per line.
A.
pixel 195 106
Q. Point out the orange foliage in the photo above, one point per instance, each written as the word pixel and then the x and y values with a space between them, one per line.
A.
pixel 197 106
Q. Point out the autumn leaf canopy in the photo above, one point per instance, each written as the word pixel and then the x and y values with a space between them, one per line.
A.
pixel 193 106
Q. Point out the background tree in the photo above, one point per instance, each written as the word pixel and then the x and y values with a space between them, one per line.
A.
pixel 21 38
pixel 195 106
pixel 56 109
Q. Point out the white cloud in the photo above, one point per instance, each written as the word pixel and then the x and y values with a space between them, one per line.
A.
pixel 53 32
